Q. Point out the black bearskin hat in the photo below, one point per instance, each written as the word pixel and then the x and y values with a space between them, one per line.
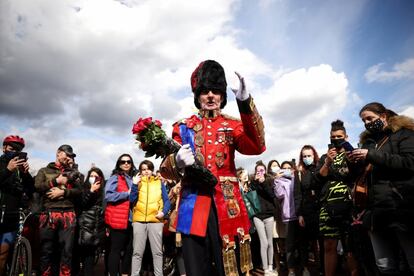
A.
pixel 209 75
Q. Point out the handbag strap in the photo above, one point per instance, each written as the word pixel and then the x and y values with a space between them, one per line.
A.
pixel 368 168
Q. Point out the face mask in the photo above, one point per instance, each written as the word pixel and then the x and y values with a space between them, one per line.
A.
pixel 337 142
pixel 10 154
pixel 287 173
pixel 308 161
pixel 275 169
pixel 375 126
pixel 92 180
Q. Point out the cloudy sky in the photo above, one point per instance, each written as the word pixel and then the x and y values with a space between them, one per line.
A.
pixel 82 72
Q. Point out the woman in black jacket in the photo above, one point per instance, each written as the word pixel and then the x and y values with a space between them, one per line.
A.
pixel 264 220
pixel 388 145
pixel 91 221
pixel 306 195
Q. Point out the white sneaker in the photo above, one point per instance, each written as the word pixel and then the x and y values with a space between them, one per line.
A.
pixel 274 273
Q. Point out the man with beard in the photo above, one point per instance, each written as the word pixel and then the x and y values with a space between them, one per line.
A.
pixel 59 185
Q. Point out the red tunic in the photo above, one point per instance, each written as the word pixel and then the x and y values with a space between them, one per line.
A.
pixel 215 141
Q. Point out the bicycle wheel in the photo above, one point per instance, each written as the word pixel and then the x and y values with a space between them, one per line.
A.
pixel 22 259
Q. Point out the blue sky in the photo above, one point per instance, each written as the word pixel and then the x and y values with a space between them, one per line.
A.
pixel 82 72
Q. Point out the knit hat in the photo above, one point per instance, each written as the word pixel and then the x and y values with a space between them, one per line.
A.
pixel 209 75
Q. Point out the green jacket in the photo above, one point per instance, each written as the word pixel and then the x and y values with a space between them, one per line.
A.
pixel 44 181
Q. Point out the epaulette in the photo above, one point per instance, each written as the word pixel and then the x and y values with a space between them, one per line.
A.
pixel 180 122
pixel 230 117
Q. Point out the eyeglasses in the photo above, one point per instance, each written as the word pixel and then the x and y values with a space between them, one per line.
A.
pixel 125 162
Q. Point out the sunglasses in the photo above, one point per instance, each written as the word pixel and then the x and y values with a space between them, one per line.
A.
pixel 125 162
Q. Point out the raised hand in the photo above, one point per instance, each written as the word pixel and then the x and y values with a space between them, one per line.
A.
pixel 241 93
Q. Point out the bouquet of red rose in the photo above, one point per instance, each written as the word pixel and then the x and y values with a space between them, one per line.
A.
pixel 152 138
pixel 154 141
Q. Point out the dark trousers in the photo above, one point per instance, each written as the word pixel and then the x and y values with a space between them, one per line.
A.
pixel 200 252
pixel 296 245
pixel 56 232
pixel 120 241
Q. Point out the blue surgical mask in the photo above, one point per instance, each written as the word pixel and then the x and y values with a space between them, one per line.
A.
pixel 308 161
pixel 287 173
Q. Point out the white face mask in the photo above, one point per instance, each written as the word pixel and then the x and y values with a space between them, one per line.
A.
pixel 92 180
pixel 275 169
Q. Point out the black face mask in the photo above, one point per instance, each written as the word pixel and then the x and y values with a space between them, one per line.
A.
pixel 10 154
pixel 374 127
pixel 337 142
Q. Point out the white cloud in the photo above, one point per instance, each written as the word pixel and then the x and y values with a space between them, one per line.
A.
pixel 403 70
pixel 408 111
pixel 299 107
pixel 81 73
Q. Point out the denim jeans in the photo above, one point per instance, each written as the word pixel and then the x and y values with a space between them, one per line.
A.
pixel 387 244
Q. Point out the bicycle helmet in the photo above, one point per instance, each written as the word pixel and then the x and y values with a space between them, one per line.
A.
pixel 14 140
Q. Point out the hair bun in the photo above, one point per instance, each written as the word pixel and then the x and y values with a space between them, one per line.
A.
pixel 337 123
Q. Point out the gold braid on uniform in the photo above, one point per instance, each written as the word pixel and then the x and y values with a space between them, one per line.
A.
pixel 258 122
pixel 229 257
pixel 246 263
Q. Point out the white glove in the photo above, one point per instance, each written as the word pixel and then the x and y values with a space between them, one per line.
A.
pixel 136 179
pixel 241 93
pixel 184 157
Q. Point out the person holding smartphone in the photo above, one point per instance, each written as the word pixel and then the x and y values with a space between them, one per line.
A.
pixel 90 220
pixel 388 146
pixel 15 182
pixel 334 176
pixel 264 220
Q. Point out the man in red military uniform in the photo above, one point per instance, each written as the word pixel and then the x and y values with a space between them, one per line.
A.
pixel 209 217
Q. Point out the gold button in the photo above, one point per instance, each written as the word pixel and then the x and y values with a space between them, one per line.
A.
pixel 209 157
pixel 209 141
pixel 209 133
pixel 208 126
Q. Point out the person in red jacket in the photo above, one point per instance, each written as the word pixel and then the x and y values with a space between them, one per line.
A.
pixel 118 215
pixel 209 215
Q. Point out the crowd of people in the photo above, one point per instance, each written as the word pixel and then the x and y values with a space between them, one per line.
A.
pixel 350 206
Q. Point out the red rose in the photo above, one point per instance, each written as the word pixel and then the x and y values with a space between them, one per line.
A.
pixel 158 123
pixel 147 121
pixel 139 126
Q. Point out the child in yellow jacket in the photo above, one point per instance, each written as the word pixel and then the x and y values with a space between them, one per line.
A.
pixel 150 202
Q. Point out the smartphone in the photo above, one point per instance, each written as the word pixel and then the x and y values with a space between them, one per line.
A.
pixel 260 173
pixel 97 178
pixel 347 146
pixel 22 155
pixel 330 146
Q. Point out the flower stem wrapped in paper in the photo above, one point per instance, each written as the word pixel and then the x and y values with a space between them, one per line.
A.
pixel 154 141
